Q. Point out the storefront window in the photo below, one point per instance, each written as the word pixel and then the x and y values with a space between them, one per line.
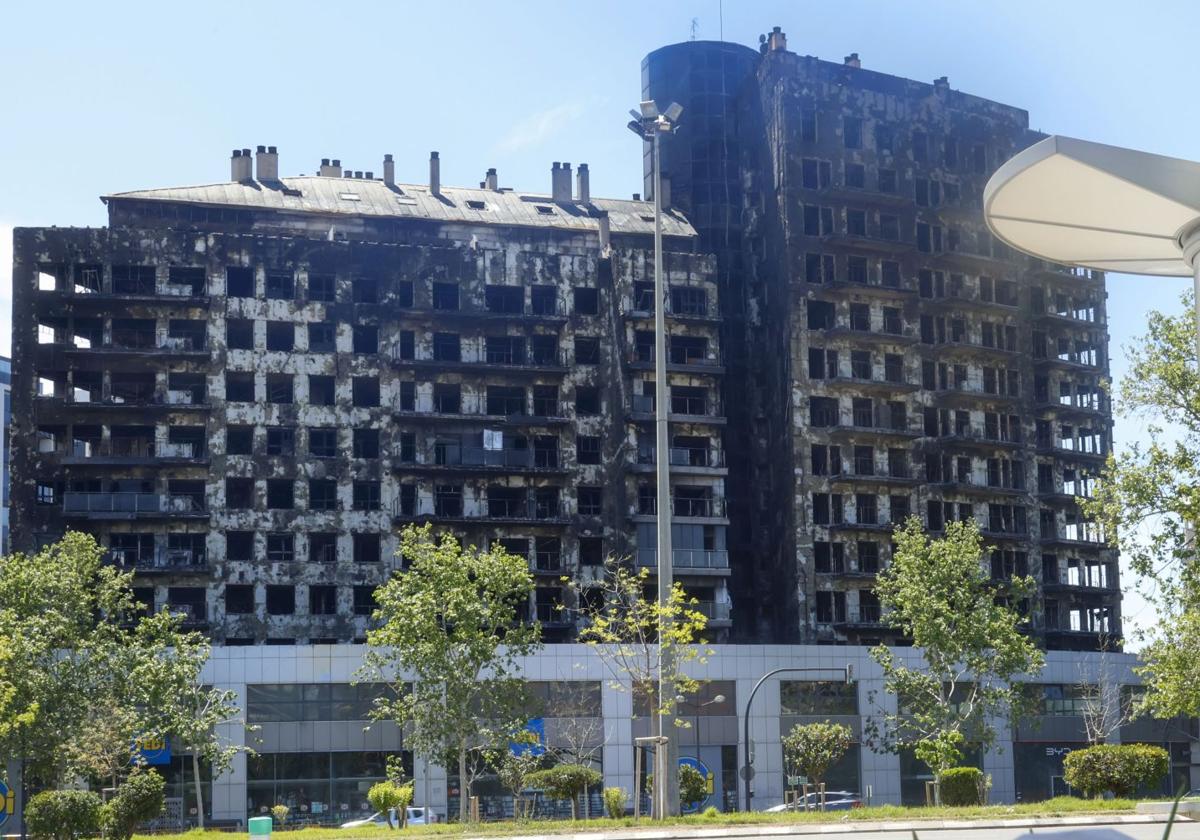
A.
pixel 914 773
pixel 844 775
pixel 810 697
pixel 272 703
pixel 325 788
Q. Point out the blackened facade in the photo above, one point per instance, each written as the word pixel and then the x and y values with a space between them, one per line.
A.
pixel 898 360
pixel 243 389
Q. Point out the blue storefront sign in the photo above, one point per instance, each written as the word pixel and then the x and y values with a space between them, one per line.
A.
pixel 155 752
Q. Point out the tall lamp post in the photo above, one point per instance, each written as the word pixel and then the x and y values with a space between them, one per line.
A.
pixel 650 124
pixel 1101 207
pixel 747 759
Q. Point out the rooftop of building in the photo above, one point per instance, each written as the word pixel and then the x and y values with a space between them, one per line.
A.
pixel 335 193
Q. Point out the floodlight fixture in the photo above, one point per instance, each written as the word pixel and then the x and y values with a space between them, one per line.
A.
pixel 649 109
pixel 673 111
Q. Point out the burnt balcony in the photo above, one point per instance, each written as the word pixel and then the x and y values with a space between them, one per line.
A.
pixel 717 612
pixel 130 401
pixel 974 439
pixel 543 415
pixel 868 385
pixel 1092 453
pixel 679 360
pixel 968 301
pixel 452 509
pixel 531 363
pixel 1083 537
pixel 862 617
pixel 687 460
pixel 123 505
pixel 137 342
pixel 685 507
pixel 688 560
pixel 554 615
pixel 1086 410
pixel 684 409
pixel 479 459
pixel 193 615
pixel 164 561
pixel 134 451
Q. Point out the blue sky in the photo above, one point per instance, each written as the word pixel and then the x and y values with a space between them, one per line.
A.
pixel 104 97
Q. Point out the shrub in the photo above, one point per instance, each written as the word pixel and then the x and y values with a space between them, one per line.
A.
pixel 693 787
pixel 1119 768
pixel 815 747
pixel 63 815
pixel 711 812
pixel 388 795
pixel 614 802
pixel 962 786
pixel 279 813
pixel 566 781
pixel 138 799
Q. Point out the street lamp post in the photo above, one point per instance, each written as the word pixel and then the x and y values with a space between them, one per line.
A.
pixel 650 124
pixel 747 759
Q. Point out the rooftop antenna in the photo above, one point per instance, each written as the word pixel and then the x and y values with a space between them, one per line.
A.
pixel 695 27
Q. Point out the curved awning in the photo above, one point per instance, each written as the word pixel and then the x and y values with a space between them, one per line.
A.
pixel 1081 203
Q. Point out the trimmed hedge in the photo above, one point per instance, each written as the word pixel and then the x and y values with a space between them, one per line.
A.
pixel 138 799
pixel 1119 768
pixel 962 786
pixel 63 815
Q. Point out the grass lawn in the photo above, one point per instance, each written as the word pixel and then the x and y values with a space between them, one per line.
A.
pixel 1062 806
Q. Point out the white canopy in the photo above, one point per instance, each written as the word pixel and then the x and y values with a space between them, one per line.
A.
pixel 1081 203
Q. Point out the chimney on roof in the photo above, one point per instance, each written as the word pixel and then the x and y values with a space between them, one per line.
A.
pixel 941 83
pixel 239 166
pixel 777 40
pixel 435 174
pixel 560 183
pixel 491 181
pixel 358 173
pixel 267 163
pixel 369 175
pixel 852 60
pixel 605 234
pixel 389 171
pixel 330 170
pixel 583 179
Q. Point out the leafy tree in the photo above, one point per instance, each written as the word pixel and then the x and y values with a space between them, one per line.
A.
pixel 515 763
pixel 937 593
pixel 181 706
pixel 386 796
pixel 453 624
pixel 139 799
pixel 1120 768
pixel 81 666
pixel 566 781
pixel 63 815
pixel 693 787
pixel 628 629
pixel 815 747
pixel 1148 503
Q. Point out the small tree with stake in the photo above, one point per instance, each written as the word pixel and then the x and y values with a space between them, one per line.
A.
pixel 814 748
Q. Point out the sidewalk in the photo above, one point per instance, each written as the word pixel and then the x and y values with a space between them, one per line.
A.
pixel 684 832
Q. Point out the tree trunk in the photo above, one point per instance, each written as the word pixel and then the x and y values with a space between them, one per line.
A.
pixel 199 788
pixel 464 793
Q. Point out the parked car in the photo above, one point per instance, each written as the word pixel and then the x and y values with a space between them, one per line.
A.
pixel 416 816
pixel 835 800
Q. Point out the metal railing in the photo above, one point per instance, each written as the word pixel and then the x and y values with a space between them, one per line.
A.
pixel 686 558
pixel 712 610
pixel 171 558
pixel 689 507
pixel 685 457
pixel 160 339
pixel 132 503
pixel 529 358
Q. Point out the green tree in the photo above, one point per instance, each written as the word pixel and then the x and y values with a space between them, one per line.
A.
pixel 79 664
pixel 515 761
pixel 566 781
pixel 177 703
pixel 138 799
pixel 629 630
pixel 452 623
pixel 388 796
pixel 937 593
pixel 815 747
pixel 693 787
pixel 63 815
pixel 1120 768
pixel 1148 504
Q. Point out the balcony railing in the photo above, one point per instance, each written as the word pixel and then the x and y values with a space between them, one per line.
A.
pixel 491 510
pixel 477 456
pixel 693 406
pixel 131 503
pixel 528 359
pixel 134 339
pixel 870 614
pixel 168 560
pixel 687 507
pixel 686 558
pixel 712 610
pixel 683 457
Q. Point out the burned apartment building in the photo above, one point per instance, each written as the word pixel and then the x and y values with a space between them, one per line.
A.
pixel 897 359
pixel 245 389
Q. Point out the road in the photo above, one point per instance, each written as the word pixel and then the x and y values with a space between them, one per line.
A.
pixel 1142 831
